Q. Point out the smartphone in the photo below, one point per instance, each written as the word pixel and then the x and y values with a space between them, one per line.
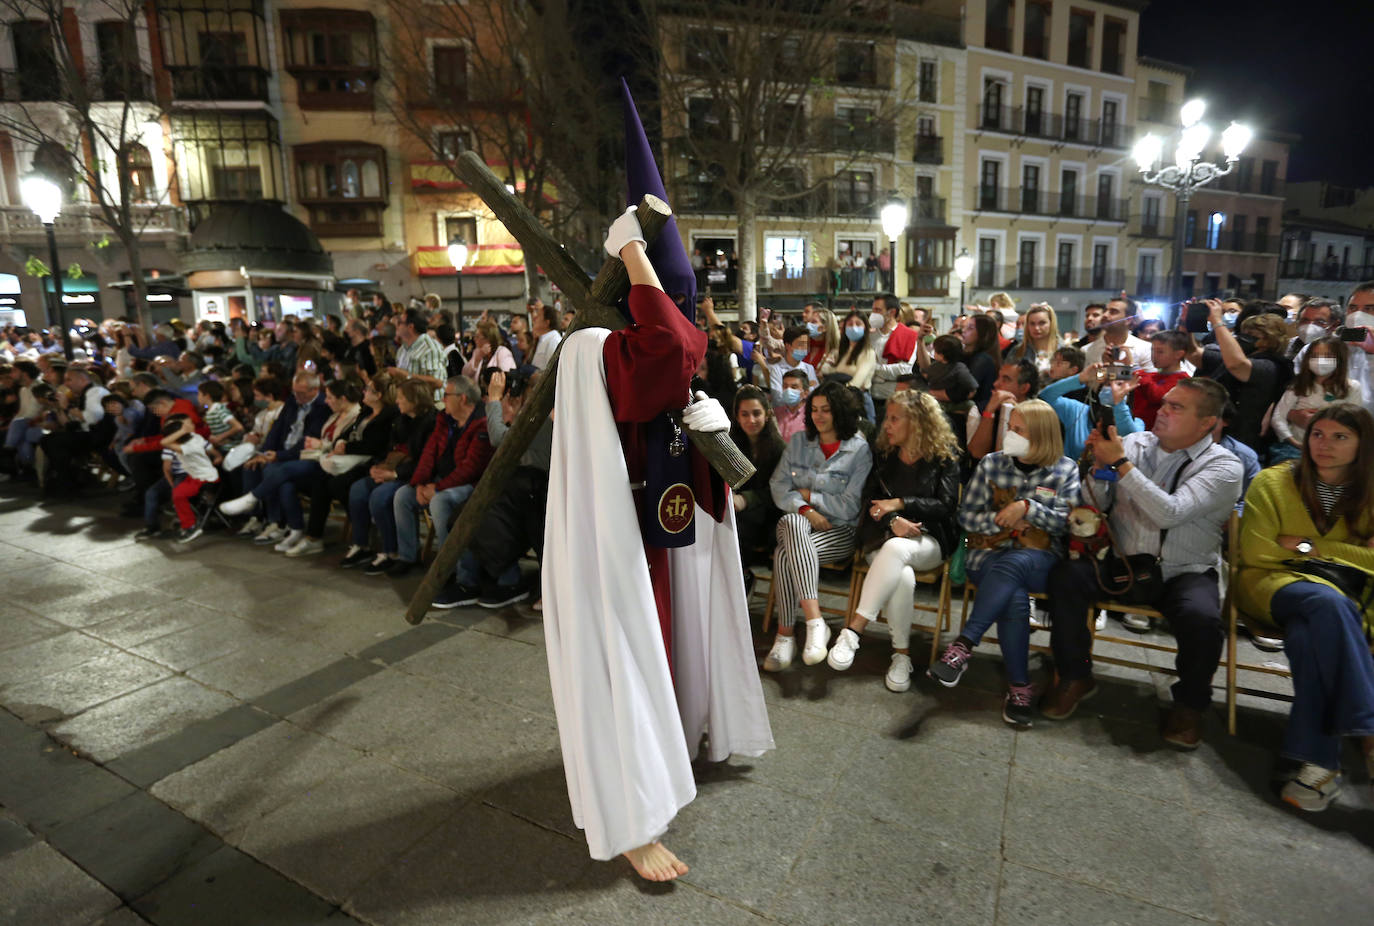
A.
pixel 1352 335
pixel 1195 317
pixel 764 313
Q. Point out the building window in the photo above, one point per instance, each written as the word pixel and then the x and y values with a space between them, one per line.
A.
pixel 121 75
pixel 1113 45
pixel 854 192
pixel 1262 234
pixel 1035 43
pixel 1080 39
pixel 1068 192
pixel 1269 178
pixel 1145 277
pixel 1149 215
pixel 997 32
pixel 929 259
pixel 1035 111
pixel 1245 175
pixel 707 119
pixel 1214 223
pixel 1063 268
pixel 35 62
pixel 928 88
pixel 1106 205
pixel 453 142
pixel 237 183
pixel 987 262
pixel 856 64
pixel 989 188
pixel 333 56
pixel 1190 229
pixel 992 103
pixel 342 186
pixel 1110 110
pixel 1025 267
pixel 707 51
pixel 449 65
pixel 141 186
pixel 1030 188
pixel 1238 242
pixel 1100 266
pixel 460 228
pixel 1073 116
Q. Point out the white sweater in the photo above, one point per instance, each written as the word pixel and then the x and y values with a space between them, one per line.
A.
pixel 1286 430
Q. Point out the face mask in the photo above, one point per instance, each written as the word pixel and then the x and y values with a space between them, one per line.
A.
pixel 1359 320
pixel 1229 318
pixel 854 332
pixel 813 329
pixel 1247 343
pixel 1104 395
pixel 259 403
pixel 798 356
pixel 1014 445
pixel 1310 332
pixel 1322 366
pixel 876 320
pixel 791 396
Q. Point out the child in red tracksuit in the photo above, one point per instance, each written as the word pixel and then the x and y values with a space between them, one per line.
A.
pixel 198 459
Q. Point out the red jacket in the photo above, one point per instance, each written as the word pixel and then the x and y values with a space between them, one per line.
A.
pixel 453 455
pixel 901 344
pixel 179 407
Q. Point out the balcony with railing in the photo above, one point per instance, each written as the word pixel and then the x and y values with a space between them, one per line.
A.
pixel 927 210
pixel 1243 242
pixel 840 134
pixel 1036 123
pixel 116 85
pixel 1152 226
pixel 81 222
pixel 231 82
pixel 1017 276
pixel 930 149
pixel 1033 201
pixel 1303 268
pixel 1150 109
pixel 29 86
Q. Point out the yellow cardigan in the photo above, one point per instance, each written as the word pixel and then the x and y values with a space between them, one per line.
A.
pixel 1273 506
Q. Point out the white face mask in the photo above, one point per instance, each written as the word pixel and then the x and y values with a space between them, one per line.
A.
pixel 1310 332
pixel 1322 366
pixel 1014 445
pixel 876 320
pixel 1359 320
pixel 1009 330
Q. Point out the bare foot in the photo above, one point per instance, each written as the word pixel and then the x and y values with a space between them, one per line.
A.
pixel 655 863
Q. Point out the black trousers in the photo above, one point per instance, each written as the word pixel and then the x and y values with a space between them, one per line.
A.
pixel 326 489
pixel 66 450
pixel 756 526
pixel 514 523
pixel 1190 602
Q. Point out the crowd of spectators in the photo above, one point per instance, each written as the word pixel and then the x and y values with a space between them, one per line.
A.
pixel 877 437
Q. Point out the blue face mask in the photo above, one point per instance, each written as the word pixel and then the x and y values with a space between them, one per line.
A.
pixel 813 329
pixel 854 332
pixel 1104 395
pixel 791 396
pixel 798 356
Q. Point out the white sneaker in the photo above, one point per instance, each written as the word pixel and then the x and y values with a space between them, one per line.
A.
pixel 270 534
pixel 841 655
pixel 241 505
pixel 290 540
pixel 252 527
pixel 1267 644
pixel 1100 623
pixel 1039 620
pixel 1138 623
pixel 306 547
pixel 817 637
pixel 899 673
pixel 780 656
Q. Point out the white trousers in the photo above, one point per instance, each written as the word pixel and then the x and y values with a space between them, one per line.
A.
pixel 891 582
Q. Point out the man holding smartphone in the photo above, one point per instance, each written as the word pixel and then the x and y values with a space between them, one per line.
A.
pixel 1126 350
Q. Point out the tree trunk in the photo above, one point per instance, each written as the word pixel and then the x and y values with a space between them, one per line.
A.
pixel 140 289
pixel 746 280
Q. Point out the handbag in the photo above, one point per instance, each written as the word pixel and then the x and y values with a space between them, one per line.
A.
pixel 1351 582
pixel 1137 578
pixel 239 456
pixel 336 464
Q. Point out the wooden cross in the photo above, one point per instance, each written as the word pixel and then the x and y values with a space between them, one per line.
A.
pixel 594 301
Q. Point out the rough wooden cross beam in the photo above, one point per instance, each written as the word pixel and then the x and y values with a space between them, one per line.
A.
pixel 594 301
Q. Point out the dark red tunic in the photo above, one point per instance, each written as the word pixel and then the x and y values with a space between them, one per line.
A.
pixel 649 369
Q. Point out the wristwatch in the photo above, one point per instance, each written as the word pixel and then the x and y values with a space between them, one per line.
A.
pixel 1304 547
pixel 1118 464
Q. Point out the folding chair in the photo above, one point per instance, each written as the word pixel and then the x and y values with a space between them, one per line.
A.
pixel 938 577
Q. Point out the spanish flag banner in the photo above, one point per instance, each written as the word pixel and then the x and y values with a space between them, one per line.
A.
pixel 483 260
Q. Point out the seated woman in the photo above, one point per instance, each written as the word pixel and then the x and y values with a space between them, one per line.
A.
pixel 491 352
pixel 1016 512
pixel 368 441
pixel 1321 378
pixel 369 499
pixel 755 432
pixel 910 500
pixel 1306 564
pixel 269 396
pixel 818 484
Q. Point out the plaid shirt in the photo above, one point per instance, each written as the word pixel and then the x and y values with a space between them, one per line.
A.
pixel 1051 490
pixel 424 357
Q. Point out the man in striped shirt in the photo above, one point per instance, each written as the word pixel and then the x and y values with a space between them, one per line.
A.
pixel 421 356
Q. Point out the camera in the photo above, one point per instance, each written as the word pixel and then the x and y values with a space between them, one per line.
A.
pixel 1195 316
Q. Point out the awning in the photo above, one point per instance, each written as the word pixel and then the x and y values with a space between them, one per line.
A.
pixel 483 259
pixel 436 175
pixel 85 284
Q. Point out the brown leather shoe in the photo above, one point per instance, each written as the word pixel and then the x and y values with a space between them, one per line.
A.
pixel 1064 700
pixel 1183 727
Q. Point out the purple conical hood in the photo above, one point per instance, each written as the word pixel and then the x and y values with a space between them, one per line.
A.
pixel 642 176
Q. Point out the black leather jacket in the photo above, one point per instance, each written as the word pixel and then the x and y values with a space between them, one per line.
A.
pixel 929 491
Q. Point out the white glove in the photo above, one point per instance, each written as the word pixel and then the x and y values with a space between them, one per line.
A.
pixel 622 231
pixel 705 415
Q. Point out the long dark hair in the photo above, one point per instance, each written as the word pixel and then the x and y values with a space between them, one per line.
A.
pixel 851 351
pixel 987 341
pixel 1355 500
pixel 769 443
pixel 1305 381
pixel 844 410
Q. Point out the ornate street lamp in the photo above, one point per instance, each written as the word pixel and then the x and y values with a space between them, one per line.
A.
pixel 458 257
pixel 894 217
pixel 43 197
pixel 963 269
pixel 1188 172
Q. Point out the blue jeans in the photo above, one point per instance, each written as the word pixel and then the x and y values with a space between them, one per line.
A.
pixel 469 572
pixel 359 515
pixel 1333 672
pixel 158 494
pixel 278 483
pixel 407 513
pixel 379 505
pixel 1003 579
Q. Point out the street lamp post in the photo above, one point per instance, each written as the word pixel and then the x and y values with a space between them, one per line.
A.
pixel 963 269
pixel 458 257
pixel 894 218
pixel 1189 171
pixel 44 198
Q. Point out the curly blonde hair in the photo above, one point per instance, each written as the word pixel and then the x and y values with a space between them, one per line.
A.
pixel 928 435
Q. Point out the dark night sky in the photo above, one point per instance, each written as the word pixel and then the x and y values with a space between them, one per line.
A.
pixel 1297 67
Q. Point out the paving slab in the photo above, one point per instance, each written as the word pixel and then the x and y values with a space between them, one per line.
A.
pixel 21 628
pixel 498 667
pixel 62 694
pixel 151 623
pixel 203 642
pixel 39 885
pixel 262 664
pixel 136 719
pixel 1037 898
pixel 48 655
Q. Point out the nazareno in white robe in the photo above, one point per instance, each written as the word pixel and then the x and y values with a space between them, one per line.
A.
pixel 628 734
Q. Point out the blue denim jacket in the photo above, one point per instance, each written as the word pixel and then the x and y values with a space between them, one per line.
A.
pixel 836 484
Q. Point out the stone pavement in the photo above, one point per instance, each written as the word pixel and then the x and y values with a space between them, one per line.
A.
pixel 222 735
